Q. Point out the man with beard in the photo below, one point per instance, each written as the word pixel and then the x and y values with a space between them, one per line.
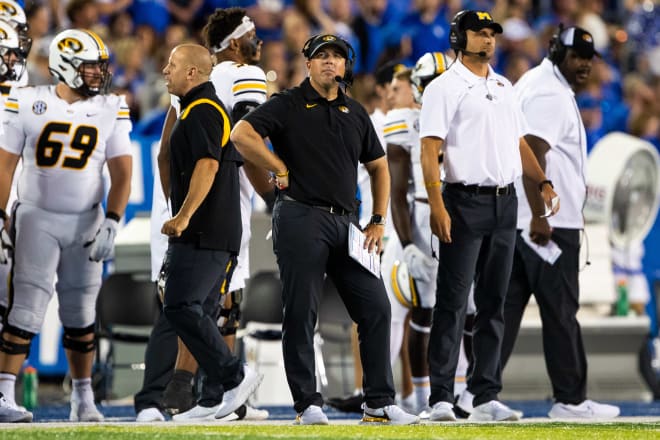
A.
pixel 547 93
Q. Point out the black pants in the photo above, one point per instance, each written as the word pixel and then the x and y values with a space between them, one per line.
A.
pixel 192 290
pixel 159 360
pixel 309 243
pixel 556 290
pixel 483 232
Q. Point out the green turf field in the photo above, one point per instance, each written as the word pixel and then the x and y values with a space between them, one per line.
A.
pixel 549 431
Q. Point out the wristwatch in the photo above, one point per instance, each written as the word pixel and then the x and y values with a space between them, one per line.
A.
pixel 546 182
pixel 377 219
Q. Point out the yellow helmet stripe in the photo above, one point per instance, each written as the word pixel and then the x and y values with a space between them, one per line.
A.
pixel 439 62
pixel 102 49
pixel 414 297
pixel 225 119
pixel 395 286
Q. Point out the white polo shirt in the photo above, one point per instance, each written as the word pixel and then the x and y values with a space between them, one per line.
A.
pixel 481 124
pixel 552 114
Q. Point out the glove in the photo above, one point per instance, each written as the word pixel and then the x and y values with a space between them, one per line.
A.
pixel 419 264
pixel 6 245
pixel 103 243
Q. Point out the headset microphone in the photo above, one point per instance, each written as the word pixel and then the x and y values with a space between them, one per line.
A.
pixel 339 79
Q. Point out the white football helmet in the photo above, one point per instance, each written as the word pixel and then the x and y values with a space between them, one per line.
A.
pixel 12 12
pixel 10 70
pixel 428 66
pixel 404 286
pixel 69 51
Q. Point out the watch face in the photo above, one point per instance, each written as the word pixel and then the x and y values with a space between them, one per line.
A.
pixel 634 197
pixel 377 219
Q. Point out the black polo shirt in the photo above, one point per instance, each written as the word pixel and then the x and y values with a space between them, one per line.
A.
pixel 202 131
pixel 320 142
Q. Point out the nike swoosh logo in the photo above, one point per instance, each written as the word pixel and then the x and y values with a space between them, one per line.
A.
pixel 89 115
pixel 310 105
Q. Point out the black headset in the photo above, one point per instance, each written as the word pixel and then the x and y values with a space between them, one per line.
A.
pixel 350 60
pixel 457 35
pixel 557 49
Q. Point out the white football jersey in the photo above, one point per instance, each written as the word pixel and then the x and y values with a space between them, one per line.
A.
pixel 234 83
pixel 64 146
pixel 402 129
pixel 5 88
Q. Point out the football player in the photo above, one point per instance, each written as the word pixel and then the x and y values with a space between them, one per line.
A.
pixel 13 13
pixel 64 134
pixel 12 67
pixel 241 86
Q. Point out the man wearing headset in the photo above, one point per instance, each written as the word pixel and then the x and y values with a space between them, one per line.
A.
pixel 471 115
pixel 319 134
pixel 547 93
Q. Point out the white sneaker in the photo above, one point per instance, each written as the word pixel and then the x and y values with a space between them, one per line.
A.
pixel 464 403
pixel 254 414
pixel 442 412
pixel 387 415
pixel 312 415
pixel 150 415
pixel 585 410
pixel 197 413
pixel 408 404
pixel 84 411
pixel 12 413
pixel 493 411
pixel 237 396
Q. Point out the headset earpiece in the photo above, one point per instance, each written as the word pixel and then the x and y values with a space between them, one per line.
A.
pixel 557 49
pixel 457 35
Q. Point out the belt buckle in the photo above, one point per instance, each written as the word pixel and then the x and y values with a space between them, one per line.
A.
pixel 502 190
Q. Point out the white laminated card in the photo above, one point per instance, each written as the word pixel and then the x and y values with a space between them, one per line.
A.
pixel 369 260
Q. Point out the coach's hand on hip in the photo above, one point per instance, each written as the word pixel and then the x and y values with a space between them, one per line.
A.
pixel 175 226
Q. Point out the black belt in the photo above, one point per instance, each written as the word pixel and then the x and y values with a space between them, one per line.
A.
pixel 483 190
pixel 422 200
pixel 331 209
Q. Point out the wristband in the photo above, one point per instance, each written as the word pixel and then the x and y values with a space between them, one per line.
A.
pixel 112 216
pixel 546 182
pixel 285 174
pixel 432 184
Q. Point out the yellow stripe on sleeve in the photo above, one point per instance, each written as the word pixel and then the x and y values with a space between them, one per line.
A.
pixel 225 118
pixel 396 127
pixel 258 86
pixel 12 105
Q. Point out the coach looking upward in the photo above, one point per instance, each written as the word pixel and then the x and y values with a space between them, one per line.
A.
pixel 319 135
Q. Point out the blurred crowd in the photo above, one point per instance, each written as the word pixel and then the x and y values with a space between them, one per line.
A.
pixel 623 93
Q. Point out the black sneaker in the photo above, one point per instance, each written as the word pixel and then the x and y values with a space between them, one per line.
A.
pixel 350 404
pixel 178 397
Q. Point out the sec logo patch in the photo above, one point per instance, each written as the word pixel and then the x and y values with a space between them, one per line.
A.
pixel 39 107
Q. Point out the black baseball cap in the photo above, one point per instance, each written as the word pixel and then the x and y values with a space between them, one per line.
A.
pixel 581 41
pixel 321 40
pixel 385 73
pixel 477 20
